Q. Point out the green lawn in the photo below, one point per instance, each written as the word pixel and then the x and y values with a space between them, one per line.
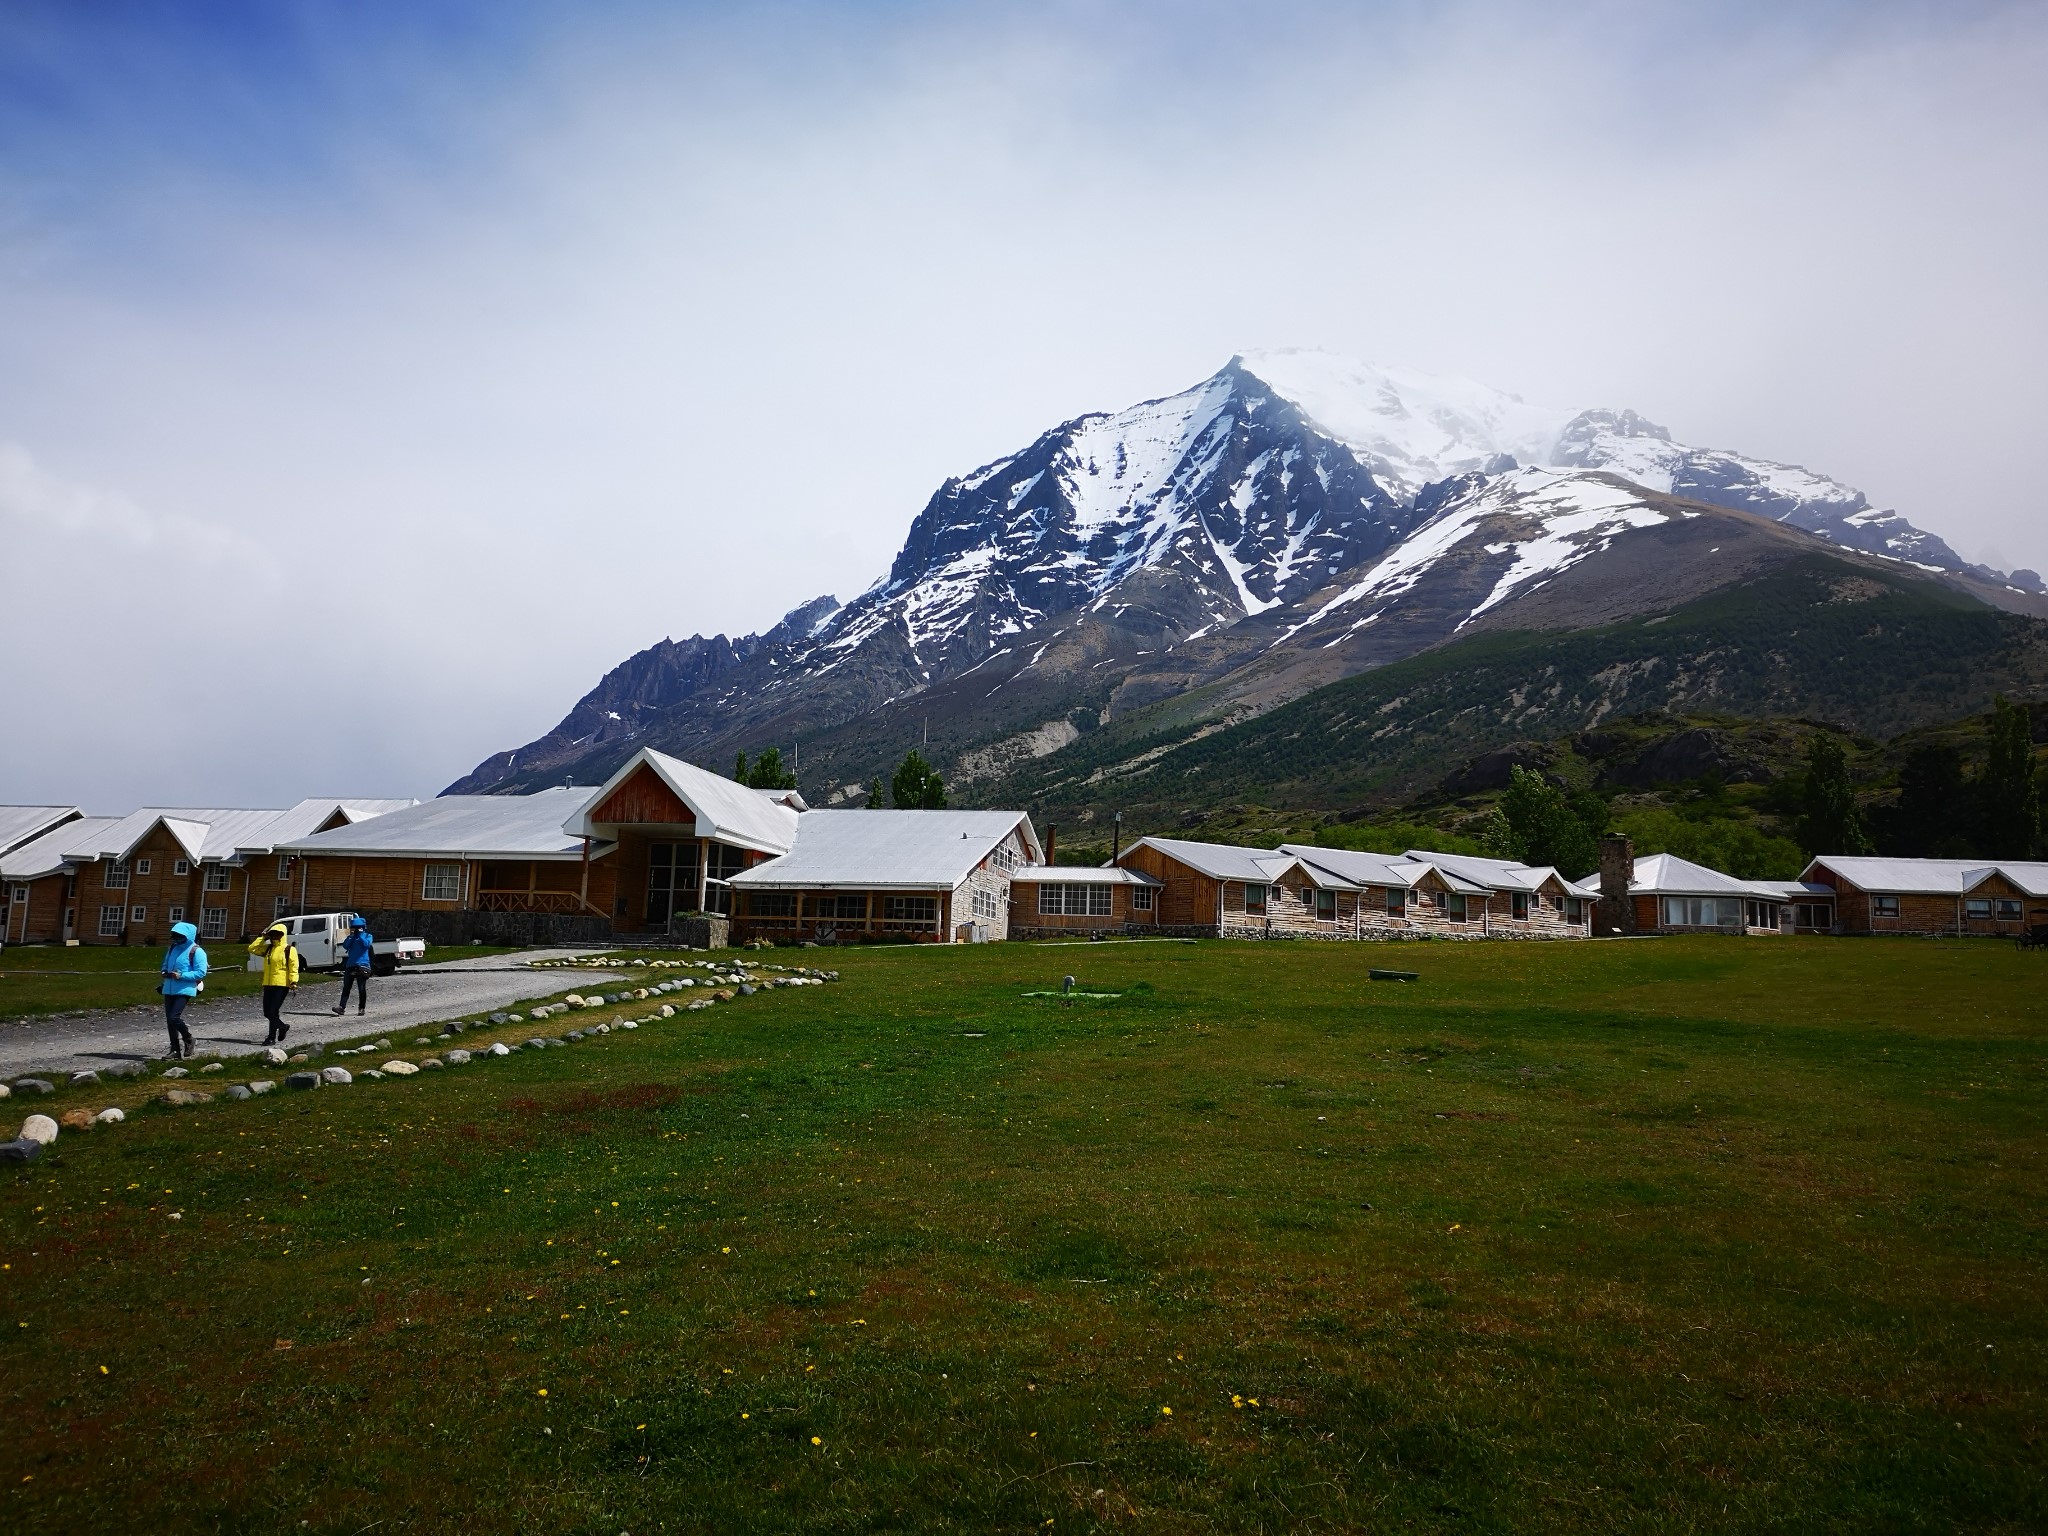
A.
pixel 50 978
pixel 1676 1235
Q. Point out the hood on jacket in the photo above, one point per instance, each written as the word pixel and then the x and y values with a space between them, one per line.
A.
pixel 276 928
pixel 186 932
pixel 357 922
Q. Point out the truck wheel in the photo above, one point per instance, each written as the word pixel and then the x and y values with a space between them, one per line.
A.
pixel 383 967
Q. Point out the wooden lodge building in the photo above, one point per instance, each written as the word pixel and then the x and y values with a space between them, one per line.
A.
pixel 1997 898
pixel 126 879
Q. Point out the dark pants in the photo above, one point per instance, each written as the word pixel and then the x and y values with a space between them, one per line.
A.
pixel 358 977
pixel 273 1009
pixel 174 1021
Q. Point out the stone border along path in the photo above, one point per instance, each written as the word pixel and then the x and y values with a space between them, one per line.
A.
pixel 728 980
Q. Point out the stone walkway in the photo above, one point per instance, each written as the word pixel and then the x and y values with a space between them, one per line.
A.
pixel 415 996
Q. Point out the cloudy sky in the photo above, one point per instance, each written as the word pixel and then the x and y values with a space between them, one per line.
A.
pixel 375 375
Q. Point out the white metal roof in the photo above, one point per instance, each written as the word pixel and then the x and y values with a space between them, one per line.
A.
pixel 48 854
pixel 761 819
pixel 887 850
pixel 1794 890
pixel 305 818
pixel 1081 874
pixel 1930 877
pixel 23 823
pixel 1221 861
pixel 464 827
pixel 1360 869
pixel 1666 874
pixel 202 833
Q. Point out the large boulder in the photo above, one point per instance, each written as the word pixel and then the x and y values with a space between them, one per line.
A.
pixel 113 1114
pixel 400 1068
pixel 33 1085
pixel 274 1056
pixel 20 1150
pixel 178 1098
pixel 39 1128
pixel 335 1077
pixel 303 1080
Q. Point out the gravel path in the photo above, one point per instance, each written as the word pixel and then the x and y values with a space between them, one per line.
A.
pixel 416 995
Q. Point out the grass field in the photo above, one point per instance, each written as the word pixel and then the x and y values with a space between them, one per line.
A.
pixel 49 978
pixel 1665 1236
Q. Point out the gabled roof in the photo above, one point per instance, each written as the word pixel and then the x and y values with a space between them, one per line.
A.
pixel 1666 874
pixel 1360 869
pixel 48 854
pixel 1221 861
pixel 1503 874
pixel 761 819
pixel 463 827
pixel 888 850
pixel 308 816
pixel 1930 877
pixel 21 824
pixel 200 833
pixel 1080 874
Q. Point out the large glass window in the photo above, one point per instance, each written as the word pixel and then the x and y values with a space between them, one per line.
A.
pixel 213 922
pixel 110 922
pixel 1397 900
pixel 1884 906
pixel 1078 900
pixel 116 877
pixel 1977 906
pixel 1255 898
pixel 441 882
pixel 840 908
pixel 1326 906
pixel 1141 898
pixel 671 881
pixel 217 878
pixel 772 903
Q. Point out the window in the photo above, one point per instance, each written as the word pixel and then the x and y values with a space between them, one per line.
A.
pixel 284 866
pixel 1813 914
pixel 1884 906
pixel 217 877
pixel 1397 900
pixel 1141 898
pixel 2008 910
pixel 312 925
pixel 138 915
pixel 1518 903
pixel 1308 894
pixel 21 893
pixel 176 915
pixel 842 909
pixel 1326 906
pixel 1454 906
pixel 1703 912
pixel 986 904
pixel 213 922
pixel 110 922
pixel 910 909
pixel 1005 857
pixel 116 876
pixel 1574 909
pixel 142 866
pixel 1077 900
pixel 1978 907
pixel 180 867
pixel 279 906
pixel 772 903
pixel 441 882
pixel 671 880
pixel 1255 898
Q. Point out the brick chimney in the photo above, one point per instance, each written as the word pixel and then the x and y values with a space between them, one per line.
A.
pixel 1616 913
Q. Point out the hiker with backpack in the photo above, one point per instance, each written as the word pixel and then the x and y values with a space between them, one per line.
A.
pixel 280 959
pixel 184 973
pixel 356 952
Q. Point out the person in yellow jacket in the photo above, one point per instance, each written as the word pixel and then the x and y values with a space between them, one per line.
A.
pixel 280 978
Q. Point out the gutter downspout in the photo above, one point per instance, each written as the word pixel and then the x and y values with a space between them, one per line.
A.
pixel 304 866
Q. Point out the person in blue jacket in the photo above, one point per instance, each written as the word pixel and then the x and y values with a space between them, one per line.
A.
pixel 184 970
pixel 356 951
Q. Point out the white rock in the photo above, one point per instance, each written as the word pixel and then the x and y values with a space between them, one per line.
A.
pixel 627 1024
pixel 176 1072
pixel 500 1049
pixel 38 1128
pixel 371 1075
pixel 431 1064
pixel 336 1077
pixel 213 1066
pixel 273 1056
pixel 111 1115
pixel 262 1085
pixel 400 1068
pixel 574 999
pixel 457 1058
pixel 668 1010
pixel 515 1019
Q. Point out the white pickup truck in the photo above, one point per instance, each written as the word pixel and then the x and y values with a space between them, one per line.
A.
pixel 319 937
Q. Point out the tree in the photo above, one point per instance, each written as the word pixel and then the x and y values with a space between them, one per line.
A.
pixel 2008 791
pixel 916 786
pixel 739 768
pixel 1928 820
pixel 1831 823
pixel 876 799
pixel 1538 824
pixel 768 771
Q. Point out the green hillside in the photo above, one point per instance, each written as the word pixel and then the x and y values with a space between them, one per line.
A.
pixel 1874 654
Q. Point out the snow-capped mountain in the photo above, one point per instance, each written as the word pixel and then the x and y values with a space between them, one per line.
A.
pixel 1294 517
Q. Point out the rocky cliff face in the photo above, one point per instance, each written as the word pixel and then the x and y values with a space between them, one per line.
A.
pixel 1291 520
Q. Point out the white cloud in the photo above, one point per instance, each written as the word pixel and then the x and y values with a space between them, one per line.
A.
pixel 695 315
